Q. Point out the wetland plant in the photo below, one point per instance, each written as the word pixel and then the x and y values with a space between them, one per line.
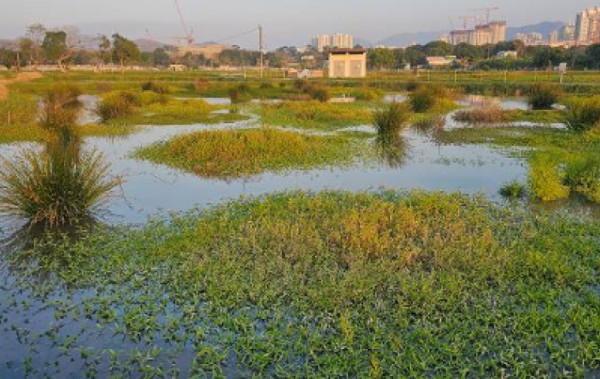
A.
pixel 513 190
pixel 481 115
pixel 60 106
pixel 425 98
pixel 118 104
pixel 544 96
pixel 390 120
pixel 547 179
pixel 582 113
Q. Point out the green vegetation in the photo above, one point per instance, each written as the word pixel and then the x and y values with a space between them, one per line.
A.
pixel 513 190
pixel 18 119
pixel 583 113
pixel 390 120
pixel 231 154
pixel 546 179
pixel 329 285
pixel 431 98
pixel 62 186
pixel 544 96
pixel 481 115
pixel 117 105
pixel 315 115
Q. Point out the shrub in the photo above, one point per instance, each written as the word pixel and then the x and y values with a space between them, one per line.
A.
pixel 369 94
pixel 54 190
pixel 546 179
pixel 481 115
pixel 156 87
pixel 425 98
pixel 391 119
pixel 201 85
pixel 544 96
pixel 583 175
pixel 60 106
pixel 266 85
pixel 320 93
pixel 241 94
pixel 118 104
pixel 513 190
pixel 582 114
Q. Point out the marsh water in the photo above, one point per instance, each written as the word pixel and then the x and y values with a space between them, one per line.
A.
pixel 152 190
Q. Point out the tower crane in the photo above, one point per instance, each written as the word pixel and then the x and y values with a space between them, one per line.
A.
pixel 188 34
pixel 487 12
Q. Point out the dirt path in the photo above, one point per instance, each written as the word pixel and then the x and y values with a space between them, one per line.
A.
pixel 20 77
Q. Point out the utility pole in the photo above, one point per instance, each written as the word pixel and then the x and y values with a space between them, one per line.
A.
pixel 261 49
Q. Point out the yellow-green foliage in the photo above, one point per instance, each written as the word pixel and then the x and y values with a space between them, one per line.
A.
pixel 18 119
pixel 315 115
pixel 229 154
pixel 547 179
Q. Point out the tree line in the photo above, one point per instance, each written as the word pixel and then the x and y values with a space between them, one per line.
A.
pixel 486 57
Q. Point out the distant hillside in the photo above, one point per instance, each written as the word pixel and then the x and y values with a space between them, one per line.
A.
pixel 544 28
pixel 405 39
pixel 147 45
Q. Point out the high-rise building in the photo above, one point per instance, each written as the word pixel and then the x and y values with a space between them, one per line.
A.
pixel 322 42
pixel 342 41
pixel 587 28
pixel 486 34
pixel 530 39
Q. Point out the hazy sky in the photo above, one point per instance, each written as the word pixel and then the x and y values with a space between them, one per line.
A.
pixel 285 21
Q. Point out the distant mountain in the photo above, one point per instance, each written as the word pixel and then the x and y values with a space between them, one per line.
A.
pixel 148 46
pixel 544 28
pixel 363 42
pixel 405 39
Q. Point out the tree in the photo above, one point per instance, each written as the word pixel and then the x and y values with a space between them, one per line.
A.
pixel 381 59
pixel 124 50
pixel 27 49
pixel 593 54
pixel 55 48
pixel 36 33
pixel 161 58
pixel 104 49
pixel 437 49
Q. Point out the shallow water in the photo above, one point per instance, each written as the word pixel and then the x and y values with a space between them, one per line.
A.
pixel 154 190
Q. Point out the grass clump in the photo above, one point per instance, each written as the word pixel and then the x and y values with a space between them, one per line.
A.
pixel 513 190
pixel 426 98
pixel 390 119
pixel 231 154
pixel 315 115
pixel 582 113
pixel 481 115
pixel 54 190
pixel 156 88
pixel 60 106
pixel 240 94
pixel 118 104
pixel 543 96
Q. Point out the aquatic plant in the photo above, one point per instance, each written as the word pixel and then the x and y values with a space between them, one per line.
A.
pixel 547 179
pixel 481 115
pixel 60 106
pixel 513 190
pixel 390 119
pixel 156 88
pixel 582 174
pixel 369 94
pixel 425 98
pixel 56 189
pixel 231 154
pixel 118 104
pixel 582 113
pixel 544 96
pixel 240 94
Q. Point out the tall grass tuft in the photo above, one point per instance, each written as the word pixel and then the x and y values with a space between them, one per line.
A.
pixel 391 119
pixel 513 190
pixel 425 98
pixel 582 114
pixel 54 190
pixel 60 106
pixel 544 96
pixel 156 88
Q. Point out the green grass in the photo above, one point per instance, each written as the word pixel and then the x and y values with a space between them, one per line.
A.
pixel 328 285
pixel 18 119
pixel 315 115
pixel 231 154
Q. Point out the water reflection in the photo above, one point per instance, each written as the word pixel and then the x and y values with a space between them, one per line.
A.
pixel 392 150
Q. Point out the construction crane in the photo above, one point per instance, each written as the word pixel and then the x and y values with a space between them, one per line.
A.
pixel 487 12
pixel 467 20
pixel 188 34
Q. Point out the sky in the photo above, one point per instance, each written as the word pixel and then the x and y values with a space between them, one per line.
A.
pixel 286 22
